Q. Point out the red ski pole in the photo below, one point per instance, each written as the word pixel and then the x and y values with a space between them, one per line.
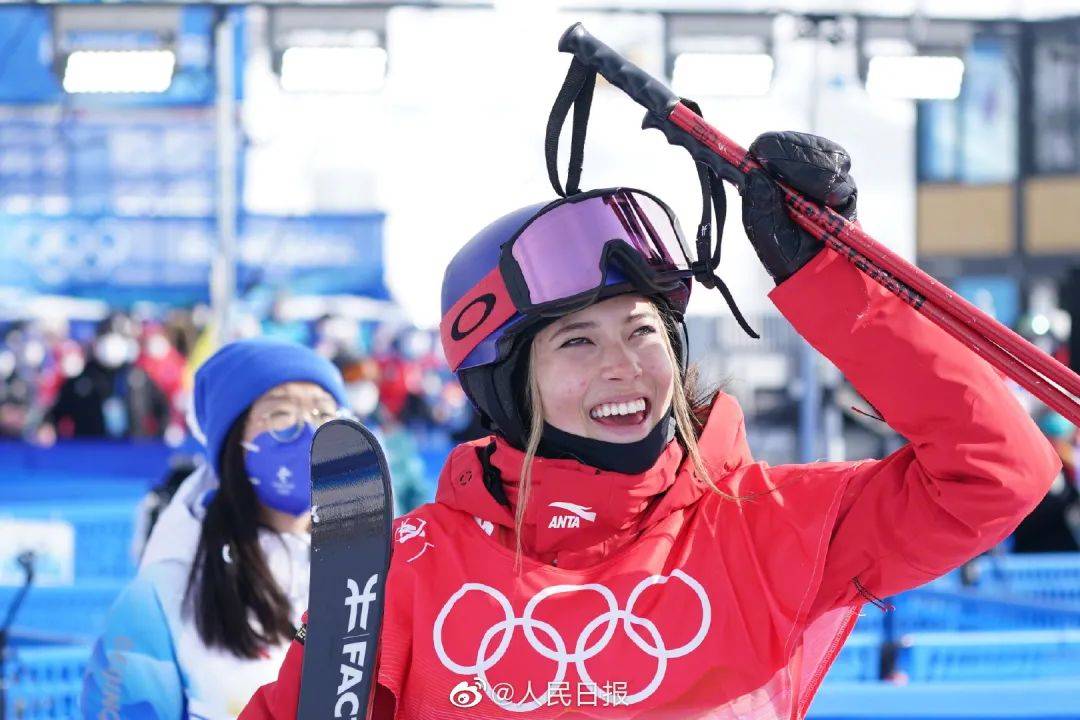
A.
pixel 825 224
pixel 1007 351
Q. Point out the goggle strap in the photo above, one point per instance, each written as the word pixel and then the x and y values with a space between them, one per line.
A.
pixel 576 92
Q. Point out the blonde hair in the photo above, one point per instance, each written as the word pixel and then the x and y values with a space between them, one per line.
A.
pixel 687 427
pixel 536 429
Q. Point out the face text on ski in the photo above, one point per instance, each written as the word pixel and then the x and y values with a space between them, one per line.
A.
pixel 353 648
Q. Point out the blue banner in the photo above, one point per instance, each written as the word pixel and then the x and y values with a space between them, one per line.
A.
pixel 167 259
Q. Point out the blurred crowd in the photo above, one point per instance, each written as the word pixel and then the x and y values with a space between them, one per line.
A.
pixel 129 375
pixel 120 377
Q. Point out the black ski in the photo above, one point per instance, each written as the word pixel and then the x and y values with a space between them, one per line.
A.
pixel 351 512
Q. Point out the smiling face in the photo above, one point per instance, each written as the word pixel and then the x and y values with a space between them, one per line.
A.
pixel 606 372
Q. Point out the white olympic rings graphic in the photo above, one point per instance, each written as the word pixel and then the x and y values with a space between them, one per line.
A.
pixel 582 650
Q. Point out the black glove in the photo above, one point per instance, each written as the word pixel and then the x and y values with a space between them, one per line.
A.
pixel 813 165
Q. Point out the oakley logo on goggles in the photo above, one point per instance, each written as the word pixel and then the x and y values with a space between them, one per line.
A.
pixel 563 259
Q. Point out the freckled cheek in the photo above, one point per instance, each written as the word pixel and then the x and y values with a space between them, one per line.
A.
pixel 657 367
pixel 568 395
pixel 563 391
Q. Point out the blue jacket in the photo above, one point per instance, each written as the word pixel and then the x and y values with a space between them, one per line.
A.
pixel 150 663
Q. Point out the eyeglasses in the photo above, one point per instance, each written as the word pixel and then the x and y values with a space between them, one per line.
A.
pixel 285 422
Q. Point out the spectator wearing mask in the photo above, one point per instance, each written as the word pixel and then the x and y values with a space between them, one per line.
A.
pixel 111 397
pixel 224 575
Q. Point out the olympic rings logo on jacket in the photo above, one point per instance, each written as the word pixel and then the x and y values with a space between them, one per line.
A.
pixel 558 650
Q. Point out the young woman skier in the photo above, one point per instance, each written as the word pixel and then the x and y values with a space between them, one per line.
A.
pixel 612 550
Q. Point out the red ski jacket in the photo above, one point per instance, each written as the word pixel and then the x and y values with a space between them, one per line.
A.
pixel 651 596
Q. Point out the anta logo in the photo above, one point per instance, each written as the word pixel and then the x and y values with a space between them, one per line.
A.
pixel 577 513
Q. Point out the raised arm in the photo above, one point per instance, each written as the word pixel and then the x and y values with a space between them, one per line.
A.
pixel 975 464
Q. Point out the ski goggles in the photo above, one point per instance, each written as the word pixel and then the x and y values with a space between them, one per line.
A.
pixel 572 253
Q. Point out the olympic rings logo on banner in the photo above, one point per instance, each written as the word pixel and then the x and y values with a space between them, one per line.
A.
pixel 556 648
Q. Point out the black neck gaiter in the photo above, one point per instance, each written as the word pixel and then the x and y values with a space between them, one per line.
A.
pixel 627 458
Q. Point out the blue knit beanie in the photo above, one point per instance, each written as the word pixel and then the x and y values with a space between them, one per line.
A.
pixel 236 375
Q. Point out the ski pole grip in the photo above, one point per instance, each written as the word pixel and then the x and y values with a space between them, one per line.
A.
pixel 620 72
pixel 698 150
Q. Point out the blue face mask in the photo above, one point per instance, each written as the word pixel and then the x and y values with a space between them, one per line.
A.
pixel 280 471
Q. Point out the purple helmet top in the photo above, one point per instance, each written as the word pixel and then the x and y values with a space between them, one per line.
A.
pixel 475 261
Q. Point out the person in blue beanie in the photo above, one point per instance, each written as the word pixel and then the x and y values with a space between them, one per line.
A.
pixel 223 579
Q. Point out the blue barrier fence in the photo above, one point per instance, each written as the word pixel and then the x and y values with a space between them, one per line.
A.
pixel 859 659
pixel 1053 699
pixel 1050 576
pixel 44 681
pixel 932 609
pixel 79 470
pixel 990 656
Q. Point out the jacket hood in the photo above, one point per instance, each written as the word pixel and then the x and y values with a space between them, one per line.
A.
pixel 581 512
pixel 176 532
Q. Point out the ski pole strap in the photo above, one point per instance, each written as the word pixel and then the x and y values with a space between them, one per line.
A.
pixel 576 92
pixel 713 203
pixel 704 267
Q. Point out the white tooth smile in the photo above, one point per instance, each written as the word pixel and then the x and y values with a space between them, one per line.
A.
pixel 621 408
